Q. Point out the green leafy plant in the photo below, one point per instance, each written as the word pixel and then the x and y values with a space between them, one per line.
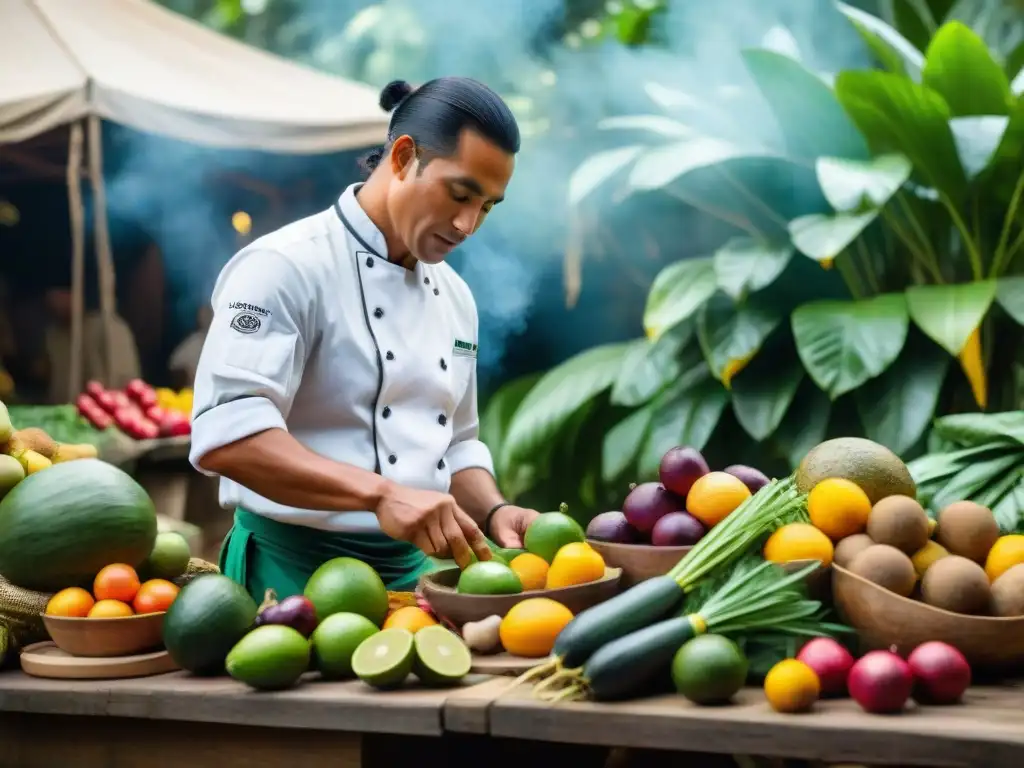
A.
pixel 876 242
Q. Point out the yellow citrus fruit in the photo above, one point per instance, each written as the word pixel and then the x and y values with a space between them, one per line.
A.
pixel 798 541
pixel 1007 552
pixel 531 626
pixel 714 496
pixel 576 563
pixel 411 617
pixel 531 569
pixel 73 601
pixel 791 686
pixel 838 507
pixel 927 556
pixel 110 609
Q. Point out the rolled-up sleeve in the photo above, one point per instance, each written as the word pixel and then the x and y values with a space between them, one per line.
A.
pixel 255 351
pixel 466 450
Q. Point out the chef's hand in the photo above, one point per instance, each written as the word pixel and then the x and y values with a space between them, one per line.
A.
pixel 509 524
pixel 433 522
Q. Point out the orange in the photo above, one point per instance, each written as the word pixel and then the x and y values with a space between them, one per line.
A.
pixel 791 686
pixel 116 582
pixel 1007 552
pixel 73 601
pixel 531 626
pixel 110 609
pixel 575 563
pixel 714 496
pixel 154 596
pixel 531 569
pixel 412 618
pixel 838 508
pixel 799 541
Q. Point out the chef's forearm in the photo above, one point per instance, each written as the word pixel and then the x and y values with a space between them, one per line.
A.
pixel 476 492
pixel 278 467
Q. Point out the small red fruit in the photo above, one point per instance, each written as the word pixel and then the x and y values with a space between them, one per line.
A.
pixel 830 661
pixel 941 673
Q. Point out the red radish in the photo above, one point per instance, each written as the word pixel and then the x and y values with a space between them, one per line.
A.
pixel 121 399
pixel 830 661
pixel 146 429
pixel 93 388
pixel 174 424
pixel 107 401
pixel 647 504
pixel 941 673
pixel 680 468
pixel 134 388
pixel 881 682
pixel 155 414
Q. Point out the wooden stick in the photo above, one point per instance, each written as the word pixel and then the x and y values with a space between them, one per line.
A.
pixel 104 259
pixel 77 213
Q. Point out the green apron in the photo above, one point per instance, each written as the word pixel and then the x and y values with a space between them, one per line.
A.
pixel 260 554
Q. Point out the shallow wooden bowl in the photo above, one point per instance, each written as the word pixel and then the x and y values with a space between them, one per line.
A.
pixel 121 636
pixel 439 590
pixel 883 619
pixel 639 562
pixel 818 581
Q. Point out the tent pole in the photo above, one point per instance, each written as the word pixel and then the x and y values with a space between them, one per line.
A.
pixel 104 258
pixel 74 180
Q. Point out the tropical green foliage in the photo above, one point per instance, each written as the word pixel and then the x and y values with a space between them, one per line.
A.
pixel 875 243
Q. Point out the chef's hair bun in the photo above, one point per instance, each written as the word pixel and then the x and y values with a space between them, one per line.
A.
pixel 393 93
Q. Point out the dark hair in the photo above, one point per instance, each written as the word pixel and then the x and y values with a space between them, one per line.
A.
pixel 435 114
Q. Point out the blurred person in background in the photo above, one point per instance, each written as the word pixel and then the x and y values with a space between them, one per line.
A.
pixel 185 357
pixel 94 347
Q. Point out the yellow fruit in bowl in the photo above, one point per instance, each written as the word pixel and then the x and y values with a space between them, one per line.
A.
pixel 531 569
pixel 1007 552
pixel 838 508
pixel 531 626
pixel 799 541
pixel 73 602
pixel 576 563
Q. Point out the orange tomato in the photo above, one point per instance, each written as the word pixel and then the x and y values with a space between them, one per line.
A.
pixel 73 601
pixel 110 609
pixel 116 582
pixel 154 596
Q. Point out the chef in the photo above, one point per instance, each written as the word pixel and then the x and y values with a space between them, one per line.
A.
pixel 336 393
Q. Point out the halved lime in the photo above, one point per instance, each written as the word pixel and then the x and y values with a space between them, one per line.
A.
pixel 441 656
pixel 385 659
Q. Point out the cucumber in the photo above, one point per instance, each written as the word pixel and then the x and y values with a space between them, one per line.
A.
pixel 636 608
pixel 626 667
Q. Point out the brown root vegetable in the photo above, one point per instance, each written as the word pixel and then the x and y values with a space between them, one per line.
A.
pixel 887 567
pixel 36 439
pixel 956 584
pixel 967 529
pixel 900 522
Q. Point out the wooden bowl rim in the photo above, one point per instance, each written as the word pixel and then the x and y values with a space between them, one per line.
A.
pixel 640 546
pixel 921 604
pixel 610 574
pixel 94 619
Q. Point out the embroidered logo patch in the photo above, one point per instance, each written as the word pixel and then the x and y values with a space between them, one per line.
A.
pixel 464 349
pixel 246 322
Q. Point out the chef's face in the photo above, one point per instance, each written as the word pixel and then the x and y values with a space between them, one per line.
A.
pixel 436 205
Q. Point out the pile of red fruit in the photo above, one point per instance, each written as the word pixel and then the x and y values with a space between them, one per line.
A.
pixel 133 410
pixel 882 682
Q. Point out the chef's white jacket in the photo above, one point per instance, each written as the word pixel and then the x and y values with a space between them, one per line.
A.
pixel 361 360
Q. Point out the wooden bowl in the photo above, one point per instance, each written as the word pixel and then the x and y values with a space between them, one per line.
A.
pixel 638 562
pixel 884 619
pixel 439 590
pixel 121 636
pixel 818 581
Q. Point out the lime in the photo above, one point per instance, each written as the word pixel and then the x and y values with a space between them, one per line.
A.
pixel 441 657
pixel 169 557
pixel 345 584
pixel 385 659
pixel 269 658
pixel 551 531
pixel 710 669
pixel 336 639
pixel 489 578
pixel 495 557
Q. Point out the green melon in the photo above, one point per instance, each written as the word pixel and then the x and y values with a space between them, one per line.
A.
pixel 59 527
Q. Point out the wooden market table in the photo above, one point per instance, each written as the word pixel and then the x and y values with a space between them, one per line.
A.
pixel 175 719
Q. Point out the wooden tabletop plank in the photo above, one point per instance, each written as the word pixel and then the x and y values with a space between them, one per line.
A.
pixel 466 709
pixel 345 706
pixel 984 731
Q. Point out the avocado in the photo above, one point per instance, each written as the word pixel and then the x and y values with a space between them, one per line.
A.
pixel 876 469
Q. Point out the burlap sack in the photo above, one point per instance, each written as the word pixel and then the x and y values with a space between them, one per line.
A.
pixel 20 609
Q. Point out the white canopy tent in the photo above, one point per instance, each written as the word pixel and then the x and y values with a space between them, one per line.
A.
pixel 135 63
